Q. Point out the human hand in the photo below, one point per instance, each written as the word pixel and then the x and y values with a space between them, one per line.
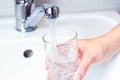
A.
pixel 91 51
pixel 95 50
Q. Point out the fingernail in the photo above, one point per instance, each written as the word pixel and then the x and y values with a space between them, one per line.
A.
pixel 77 77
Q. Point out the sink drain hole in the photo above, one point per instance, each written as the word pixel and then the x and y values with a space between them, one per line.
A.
pixel 28 53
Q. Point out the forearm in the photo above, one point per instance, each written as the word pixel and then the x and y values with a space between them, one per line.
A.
pixel 112 39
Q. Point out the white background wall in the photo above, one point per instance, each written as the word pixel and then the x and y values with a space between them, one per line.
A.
pixel 86 5
pixel 7 6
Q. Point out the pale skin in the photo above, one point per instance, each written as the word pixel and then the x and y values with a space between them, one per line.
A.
pixel 97 50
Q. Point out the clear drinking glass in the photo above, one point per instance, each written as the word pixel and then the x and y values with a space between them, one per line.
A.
pixel 63 62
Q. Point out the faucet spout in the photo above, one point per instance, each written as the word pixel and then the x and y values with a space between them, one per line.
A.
pixel 27 17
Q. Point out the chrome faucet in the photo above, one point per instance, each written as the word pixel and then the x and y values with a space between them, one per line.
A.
pixel 27 17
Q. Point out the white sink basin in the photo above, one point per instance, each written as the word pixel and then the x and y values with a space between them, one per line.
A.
pixel 13 44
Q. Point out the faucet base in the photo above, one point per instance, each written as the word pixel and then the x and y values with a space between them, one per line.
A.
pixel 28 29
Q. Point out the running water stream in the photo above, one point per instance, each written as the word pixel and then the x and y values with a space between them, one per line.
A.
pixel 53 36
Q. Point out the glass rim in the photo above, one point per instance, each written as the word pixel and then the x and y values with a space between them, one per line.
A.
pixel 72 38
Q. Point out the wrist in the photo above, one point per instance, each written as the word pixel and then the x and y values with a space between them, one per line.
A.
pixel 110 44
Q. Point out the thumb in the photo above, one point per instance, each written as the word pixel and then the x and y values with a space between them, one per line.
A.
pixel 83 67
